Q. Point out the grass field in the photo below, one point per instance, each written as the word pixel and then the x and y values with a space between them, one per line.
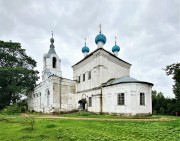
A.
pixel 15 129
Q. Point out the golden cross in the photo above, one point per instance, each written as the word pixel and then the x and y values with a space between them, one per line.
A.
pixel 100 26
pixel 115 39
pixel 85 41
pixel 52 33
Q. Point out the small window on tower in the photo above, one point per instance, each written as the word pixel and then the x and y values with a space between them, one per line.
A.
pixel 90 101
pixel 89 75
pixel 84 77
pixel 54 62
pixel 79 79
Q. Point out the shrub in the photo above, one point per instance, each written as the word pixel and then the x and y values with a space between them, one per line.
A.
pixel 83 113
pixel 13 109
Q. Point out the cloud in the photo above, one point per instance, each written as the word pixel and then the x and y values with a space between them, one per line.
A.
pixel 147 32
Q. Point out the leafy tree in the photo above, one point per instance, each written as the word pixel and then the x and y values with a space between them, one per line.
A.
pixel 162 105
pixel 17 74
pixel 174 70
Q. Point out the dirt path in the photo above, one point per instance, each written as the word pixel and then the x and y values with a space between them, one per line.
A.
pixel 99 119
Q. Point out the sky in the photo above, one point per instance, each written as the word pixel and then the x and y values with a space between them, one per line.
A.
pixel 147 31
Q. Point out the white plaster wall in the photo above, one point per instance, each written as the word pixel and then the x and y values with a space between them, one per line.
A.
pixel 61 98
pixel 39 98
pixel 103 67
pixel 88 65
pixel 67 94
pixel 112 68
pixel 132 99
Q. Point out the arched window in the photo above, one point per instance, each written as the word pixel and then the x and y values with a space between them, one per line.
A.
pixel 54 62
pixel 120 99
pixel 48 93
pixel 142 99
pixel 40 99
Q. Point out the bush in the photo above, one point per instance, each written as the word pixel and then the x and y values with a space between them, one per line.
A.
pixel 13 109
pixel 83 113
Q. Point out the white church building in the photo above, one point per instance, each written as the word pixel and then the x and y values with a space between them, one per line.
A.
pixel 101 84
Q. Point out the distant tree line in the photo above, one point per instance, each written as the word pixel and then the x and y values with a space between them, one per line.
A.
pixel 163 105
pixel 168 106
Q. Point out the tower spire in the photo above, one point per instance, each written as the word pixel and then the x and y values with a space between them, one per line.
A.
pixel 52 41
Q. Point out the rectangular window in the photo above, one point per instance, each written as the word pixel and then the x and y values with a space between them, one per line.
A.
pixel 90 101
pixel 79 79
pixel 84 77
pixel 142 99
pixel 120 99
pixel 89 75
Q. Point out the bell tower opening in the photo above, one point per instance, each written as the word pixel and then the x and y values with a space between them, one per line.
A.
pixel 54 62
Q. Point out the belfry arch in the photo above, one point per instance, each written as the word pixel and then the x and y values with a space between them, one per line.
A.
pixel 54 62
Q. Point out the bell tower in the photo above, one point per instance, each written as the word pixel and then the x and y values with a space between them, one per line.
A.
pixel 51 62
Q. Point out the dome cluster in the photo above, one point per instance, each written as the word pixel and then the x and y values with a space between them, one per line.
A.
pixel 100 40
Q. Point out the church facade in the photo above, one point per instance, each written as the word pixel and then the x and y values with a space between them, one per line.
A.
pixel 101 84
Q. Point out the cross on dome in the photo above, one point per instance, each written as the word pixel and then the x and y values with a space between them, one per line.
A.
pixel 100 26
pixel 115 48
pixel 52 41
pixel 85 41
pixel 85 49
pixel 52 33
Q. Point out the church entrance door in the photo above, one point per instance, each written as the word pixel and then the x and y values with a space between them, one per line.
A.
pixel 83 106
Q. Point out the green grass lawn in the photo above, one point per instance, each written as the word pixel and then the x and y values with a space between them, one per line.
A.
pixel 15 129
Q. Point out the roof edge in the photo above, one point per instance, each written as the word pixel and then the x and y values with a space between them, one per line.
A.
pixel 105 51
pixel 142 82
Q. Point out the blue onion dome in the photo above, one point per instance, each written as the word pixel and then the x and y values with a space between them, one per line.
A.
pixel 85 49
pixel 115 48
pixel 100 38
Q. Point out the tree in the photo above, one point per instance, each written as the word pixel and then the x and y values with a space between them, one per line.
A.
pixel 17 74
pixel 174 70
pixel 162 105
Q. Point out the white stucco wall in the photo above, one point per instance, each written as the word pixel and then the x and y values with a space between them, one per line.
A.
pixel 103 67
pixel 60 98
pixel 132 99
